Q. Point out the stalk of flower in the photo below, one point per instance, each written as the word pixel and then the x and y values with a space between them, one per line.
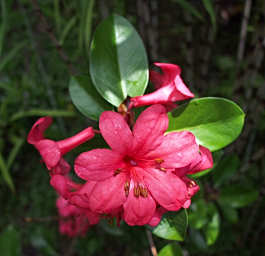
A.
pixel 137 175
pixel 169 88
pixel 52 151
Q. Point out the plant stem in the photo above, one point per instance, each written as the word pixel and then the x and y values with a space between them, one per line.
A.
pixel 151 242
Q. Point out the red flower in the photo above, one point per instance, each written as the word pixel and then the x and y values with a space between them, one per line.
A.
pixel 52 151
pixel 137 174
pixel 169 88
pixel 74 221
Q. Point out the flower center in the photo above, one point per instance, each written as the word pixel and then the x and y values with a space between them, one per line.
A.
pixel 130 161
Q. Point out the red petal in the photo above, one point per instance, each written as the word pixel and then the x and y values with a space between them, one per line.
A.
pixel 138 210
pixel 97 164
pixel 68 144
pixel 80 198
pixel 171 75
pixel 116 131
pixel 61 168
pixel 37 130
pixel 166 188
pixel 170 71
pixel 178 149
pixel 50 152
pixel 157 216
pixel 149 129
pixel 59 183
pixel 206 161
pixel 108 195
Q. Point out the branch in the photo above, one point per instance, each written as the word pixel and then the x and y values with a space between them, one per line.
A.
pixel 243 32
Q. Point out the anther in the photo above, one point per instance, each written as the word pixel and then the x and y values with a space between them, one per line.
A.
pixel 136 191
pixel 162 169
pixel 192 183
pixel 117 171
pixel 143 192
pixel 126 188
pixel 159 161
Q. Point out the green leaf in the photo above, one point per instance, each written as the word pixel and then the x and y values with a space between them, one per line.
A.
pixel 187 6
pixel 18 142
pixel 118 61
pixel 3 25
pixel 42 112
pixel 225 169
pixel 12 54
pixel 212 229
pixel 229 213
pixel 173 226
pixel 5 173
pixel 86 98
pixel 172 249
pixel 208 4
pixel 10 242
pixel 215 122
pixel 238 196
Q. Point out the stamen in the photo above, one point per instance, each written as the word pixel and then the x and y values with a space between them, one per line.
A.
pixel 192 184
pixel 143 191
pixel 162 169
pixel 136 191
pixel 116 172
pixel 126 188
pixel 159 161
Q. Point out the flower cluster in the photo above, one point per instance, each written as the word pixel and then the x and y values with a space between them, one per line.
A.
pixel 141 176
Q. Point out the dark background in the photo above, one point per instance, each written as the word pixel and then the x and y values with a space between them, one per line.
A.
pixel 220 48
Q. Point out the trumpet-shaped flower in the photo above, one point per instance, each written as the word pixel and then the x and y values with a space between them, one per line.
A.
pixel 137 173
pixel 169 88
pixel 52 151
pixel 74 221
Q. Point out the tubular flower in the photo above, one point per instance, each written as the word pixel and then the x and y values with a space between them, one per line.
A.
pixel 169 88
pixel 137 174
pixel 52 151
pixel 74 221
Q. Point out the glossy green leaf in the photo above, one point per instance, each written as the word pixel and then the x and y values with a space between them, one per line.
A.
pixel 172 249
pixel 118 61
pixel 215 122
pixel 86 98
pixel 212 229
pixel 10 242
pixel 173 226
pixel 237 196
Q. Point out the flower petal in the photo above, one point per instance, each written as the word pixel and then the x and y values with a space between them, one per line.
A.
pixel 97 164
pixel 108 195
pixel 138 210
pixel 170 71
pixel 206 161
pixel 157 216
pixel 68 144
pixel 177 149
pixel 115 131
pixel 171 75
pixel 149 129
pixel 37 130
pixel 50 152
pixel 166 188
